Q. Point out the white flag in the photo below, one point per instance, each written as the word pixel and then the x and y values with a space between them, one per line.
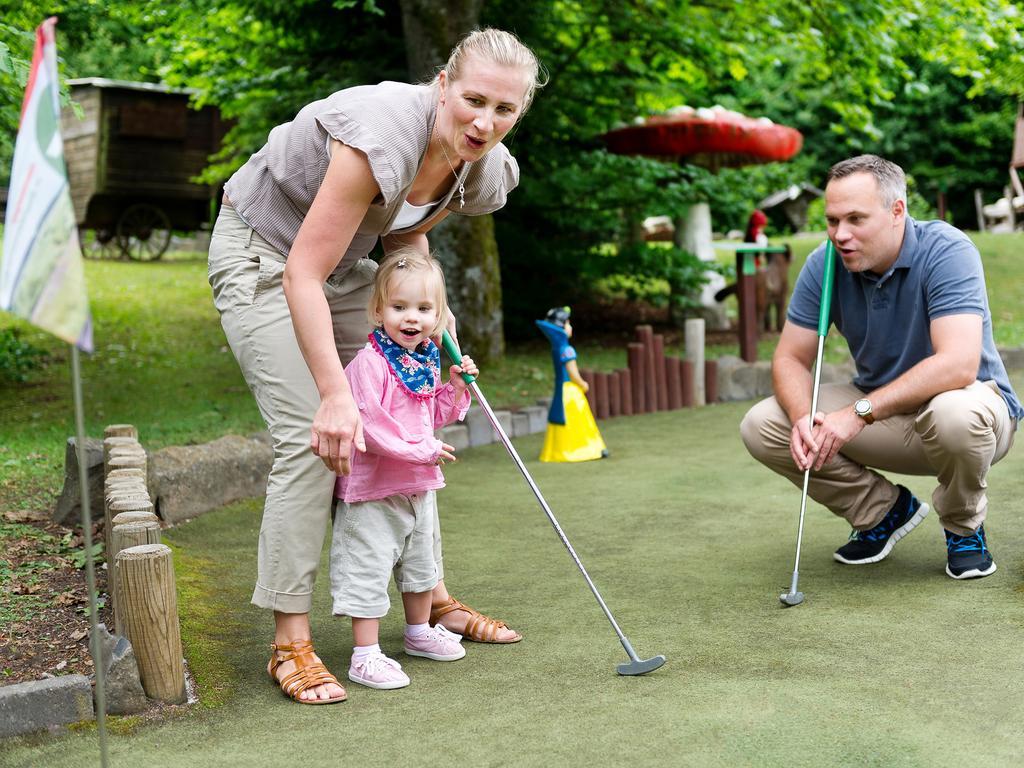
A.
pixel 41 273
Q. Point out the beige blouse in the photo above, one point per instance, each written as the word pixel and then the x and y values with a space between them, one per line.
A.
pixel 391 124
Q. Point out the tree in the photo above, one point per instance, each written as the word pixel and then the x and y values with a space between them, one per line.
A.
pixel 465 245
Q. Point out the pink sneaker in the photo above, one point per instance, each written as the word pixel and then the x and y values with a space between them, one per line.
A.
pixel 378 671
pixel 436 643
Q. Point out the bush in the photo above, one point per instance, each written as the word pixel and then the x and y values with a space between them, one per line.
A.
pixel 17 357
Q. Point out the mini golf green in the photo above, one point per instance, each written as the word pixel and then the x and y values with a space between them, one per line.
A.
pixel 690 543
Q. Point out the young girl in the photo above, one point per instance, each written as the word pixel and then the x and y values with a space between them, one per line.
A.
pixel 384 522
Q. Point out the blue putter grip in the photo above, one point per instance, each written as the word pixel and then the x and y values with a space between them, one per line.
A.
pixel 453 352
pixel 826 288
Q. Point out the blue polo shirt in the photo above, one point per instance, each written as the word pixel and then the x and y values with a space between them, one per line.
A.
pixel 885 319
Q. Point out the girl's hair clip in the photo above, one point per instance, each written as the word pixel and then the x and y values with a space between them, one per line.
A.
pixel 401 263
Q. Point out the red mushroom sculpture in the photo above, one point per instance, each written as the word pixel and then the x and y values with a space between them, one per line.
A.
pixel 712 138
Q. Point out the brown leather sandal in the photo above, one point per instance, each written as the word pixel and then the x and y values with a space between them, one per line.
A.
pixel 479 628
pixel 308 672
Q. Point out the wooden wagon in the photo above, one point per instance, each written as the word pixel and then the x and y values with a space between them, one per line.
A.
pixel 131 162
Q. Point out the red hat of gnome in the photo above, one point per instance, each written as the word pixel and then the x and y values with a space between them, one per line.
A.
pixel 755 224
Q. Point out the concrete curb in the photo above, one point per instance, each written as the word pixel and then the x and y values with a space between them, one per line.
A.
pixel 40 705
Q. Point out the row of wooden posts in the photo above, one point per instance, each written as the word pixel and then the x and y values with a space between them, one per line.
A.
pixel 140 571
pixel 654 381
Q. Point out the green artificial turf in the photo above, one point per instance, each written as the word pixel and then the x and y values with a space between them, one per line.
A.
pixel 691 543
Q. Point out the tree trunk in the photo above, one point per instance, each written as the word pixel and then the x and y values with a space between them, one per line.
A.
pixel 465 245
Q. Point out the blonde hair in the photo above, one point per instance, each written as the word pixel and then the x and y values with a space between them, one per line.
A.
pixel 502 48
pixel 404 262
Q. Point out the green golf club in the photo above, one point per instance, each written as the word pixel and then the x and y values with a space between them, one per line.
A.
pixel 794 597
pixel 635 665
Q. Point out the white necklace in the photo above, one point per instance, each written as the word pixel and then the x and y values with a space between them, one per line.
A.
pixel 462 188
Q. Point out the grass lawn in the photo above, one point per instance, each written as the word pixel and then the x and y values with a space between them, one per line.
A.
pixel 690 543
pixel 161 363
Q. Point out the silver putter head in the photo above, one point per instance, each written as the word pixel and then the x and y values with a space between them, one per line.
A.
pixel 640 666
pixel 789 599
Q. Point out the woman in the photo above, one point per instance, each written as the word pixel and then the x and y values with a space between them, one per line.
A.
pixel 291 280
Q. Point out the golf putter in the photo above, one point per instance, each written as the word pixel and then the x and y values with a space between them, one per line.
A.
pixel 795 597
pixel 635 665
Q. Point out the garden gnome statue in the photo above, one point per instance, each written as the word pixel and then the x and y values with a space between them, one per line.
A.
pixel 572 432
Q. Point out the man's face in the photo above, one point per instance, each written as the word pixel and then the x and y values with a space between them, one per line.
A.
pixel 865 232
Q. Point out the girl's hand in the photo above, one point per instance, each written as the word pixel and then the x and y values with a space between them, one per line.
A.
pixel 447 454
pixel 467 366
pixel 336 428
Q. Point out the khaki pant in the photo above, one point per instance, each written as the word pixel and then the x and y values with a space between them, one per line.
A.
pixel 955 437
pixel 245 273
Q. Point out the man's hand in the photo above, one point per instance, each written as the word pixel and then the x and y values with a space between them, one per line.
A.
pixel 816 448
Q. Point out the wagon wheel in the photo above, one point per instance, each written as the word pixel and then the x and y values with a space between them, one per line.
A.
pixel 143 232
pixel 99 244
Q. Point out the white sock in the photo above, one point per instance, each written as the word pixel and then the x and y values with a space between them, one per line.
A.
pixel 360 652
pixel 415 630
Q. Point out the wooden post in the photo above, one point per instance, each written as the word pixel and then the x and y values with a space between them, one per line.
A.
pixel 674 375
pixel 746 294
pixel 117 474
pixel 626 384
pixel 122 518
pixel 978 206
pixel 114 506
pixel 124 536
pixel 121 430
pixel 588 376
pixel 1008 194
pixel 135 461
pixel 645 335
pixel 659 371
pixel 601 394
pixel 614 394
pixel 941 206
pixel 638 370
pixel 687 371
pixel 711 381
pixel 109 444
pixel 695 355
pixel 150 609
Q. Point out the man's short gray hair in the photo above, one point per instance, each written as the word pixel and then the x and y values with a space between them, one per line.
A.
pixel 892 182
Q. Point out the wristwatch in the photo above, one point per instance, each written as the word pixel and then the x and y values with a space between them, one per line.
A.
pixel 863 409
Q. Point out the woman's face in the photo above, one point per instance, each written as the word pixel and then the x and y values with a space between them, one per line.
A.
pixel 479 108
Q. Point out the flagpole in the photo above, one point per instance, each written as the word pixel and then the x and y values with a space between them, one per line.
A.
pixel 90 574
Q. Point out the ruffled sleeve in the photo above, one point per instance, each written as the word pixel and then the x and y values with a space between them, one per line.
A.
pixel 488 183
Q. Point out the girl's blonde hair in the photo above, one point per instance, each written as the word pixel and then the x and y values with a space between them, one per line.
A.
pixel 498 47
pixel 404 262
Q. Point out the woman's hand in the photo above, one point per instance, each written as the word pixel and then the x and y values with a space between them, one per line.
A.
pixel 449 325
pixel 336 428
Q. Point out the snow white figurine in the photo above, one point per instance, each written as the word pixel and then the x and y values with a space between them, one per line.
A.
pixel 572 432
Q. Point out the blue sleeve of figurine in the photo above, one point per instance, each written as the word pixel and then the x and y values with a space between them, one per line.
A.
pixel 568 353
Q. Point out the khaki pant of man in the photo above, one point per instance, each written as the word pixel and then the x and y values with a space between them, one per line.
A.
pixel 955 437
pixel 246 272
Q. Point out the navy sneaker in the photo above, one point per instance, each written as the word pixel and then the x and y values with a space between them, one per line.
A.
pixel 873 545
pixel 967 557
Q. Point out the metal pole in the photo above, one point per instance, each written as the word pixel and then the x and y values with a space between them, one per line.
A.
pixel 90 574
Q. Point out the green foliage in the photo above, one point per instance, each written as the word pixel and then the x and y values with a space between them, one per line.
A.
pixel 17 357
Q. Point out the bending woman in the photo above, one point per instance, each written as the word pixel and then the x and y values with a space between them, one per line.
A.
pixel 291 280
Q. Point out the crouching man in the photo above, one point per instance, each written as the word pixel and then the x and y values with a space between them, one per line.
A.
pixel 931 395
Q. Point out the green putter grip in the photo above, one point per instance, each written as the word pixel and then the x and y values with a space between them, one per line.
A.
pixel 826 289
pixel 453 352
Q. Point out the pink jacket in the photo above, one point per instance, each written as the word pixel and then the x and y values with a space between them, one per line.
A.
pixel 401 450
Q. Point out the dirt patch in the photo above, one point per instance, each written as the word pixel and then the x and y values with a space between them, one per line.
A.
pixel 44 618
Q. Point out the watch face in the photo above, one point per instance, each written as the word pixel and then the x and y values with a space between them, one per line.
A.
pixel 862 407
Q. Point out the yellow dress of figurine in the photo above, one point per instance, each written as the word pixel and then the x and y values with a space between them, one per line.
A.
pixel 572 432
